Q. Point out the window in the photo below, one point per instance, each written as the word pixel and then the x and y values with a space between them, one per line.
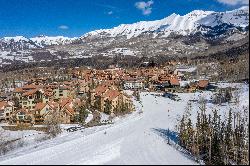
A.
pixel 30 97
pixel 21 117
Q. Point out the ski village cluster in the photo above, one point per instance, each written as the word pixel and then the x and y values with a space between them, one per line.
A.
pixel 88 101
pixel 33 101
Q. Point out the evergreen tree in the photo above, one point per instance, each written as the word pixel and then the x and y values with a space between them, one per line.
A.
pixel 136 94
pixel 88 100
pixel 97 103
pixel 215 148
pixel 228 95
pixel 189 135
pixel 182 138
pixel 216 141
pixel 197 134
pixel 83 114
pixel 107 107
pixel 222 142
pixel 229 136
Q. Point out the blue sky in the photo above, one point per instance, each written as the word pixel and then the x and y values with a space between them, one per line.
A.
pixel 75 17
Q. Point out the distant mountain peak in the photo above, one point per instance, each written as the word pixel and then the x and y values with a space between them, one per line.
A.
pixel 16 38
pixel 21 42
pixel 199 12
pixel 245 8
pixel 183 25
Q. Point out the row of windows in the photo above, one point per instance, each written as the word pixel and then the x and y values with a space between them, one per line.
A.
pixel 25 103
pixel 29 107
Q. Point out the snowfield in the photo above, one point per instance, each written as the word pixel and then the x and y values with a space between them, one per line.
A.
pixel 133 139
pixel 28 136
pixel 183 25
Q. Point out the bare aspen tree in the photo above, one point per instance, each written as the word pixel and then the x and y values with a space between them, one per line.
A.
pixel 53 124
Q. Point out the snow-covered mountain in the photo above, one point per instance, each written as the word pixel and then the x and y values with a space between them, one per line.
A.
pixel 16 43
pixel 23 43
pixel 209 23
pixel 48 41
pixel 189 35
pixel 182 25
pixel 238 18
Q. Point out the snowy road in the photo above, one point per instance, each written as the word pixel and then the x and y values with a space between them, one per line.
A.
pixel 131 140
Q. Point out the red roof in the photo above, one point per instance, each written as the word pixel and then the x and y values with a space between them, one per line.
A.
pixel 101 89
pixel 112 94
pixel 64 101
pixel 30 92
pixel 70 109
pixel 3 104
pixel 53 105
pixel 40 106
pixel 174 81
pixel 22 110
pixel 203 83
pixel 18 90
pixel 31 86
pixel 48 94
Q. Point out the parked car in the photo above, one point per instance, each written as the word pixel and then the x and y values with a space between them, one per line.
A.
pixel 171 96
pixel 73 129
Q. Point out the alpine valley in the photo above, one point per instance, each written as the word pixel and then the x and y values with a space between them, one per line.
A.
pixel 170 91
pixel 196 34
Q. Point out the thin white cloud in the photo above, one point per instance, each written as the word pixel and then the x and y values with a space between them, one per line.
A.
pixel 110 12
pixel 234 2
pixel 145 7
pixel 107 6
pixel 63 27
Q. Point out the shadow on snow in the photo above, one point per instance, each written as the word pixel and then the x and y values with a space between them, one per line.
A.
pixel 173 138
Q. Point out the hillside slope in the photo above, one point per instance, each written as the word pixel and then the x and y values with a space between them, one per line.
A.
pixel 129 141
pixel 135 139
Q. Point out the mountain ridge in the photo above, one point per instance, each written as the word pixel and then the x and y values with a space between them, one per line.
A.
pixel 196 33
pixel 184 25
pixel 172 23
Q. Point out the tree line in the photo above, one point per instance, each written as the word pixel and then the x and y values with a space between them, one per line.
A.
pixel 216 140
